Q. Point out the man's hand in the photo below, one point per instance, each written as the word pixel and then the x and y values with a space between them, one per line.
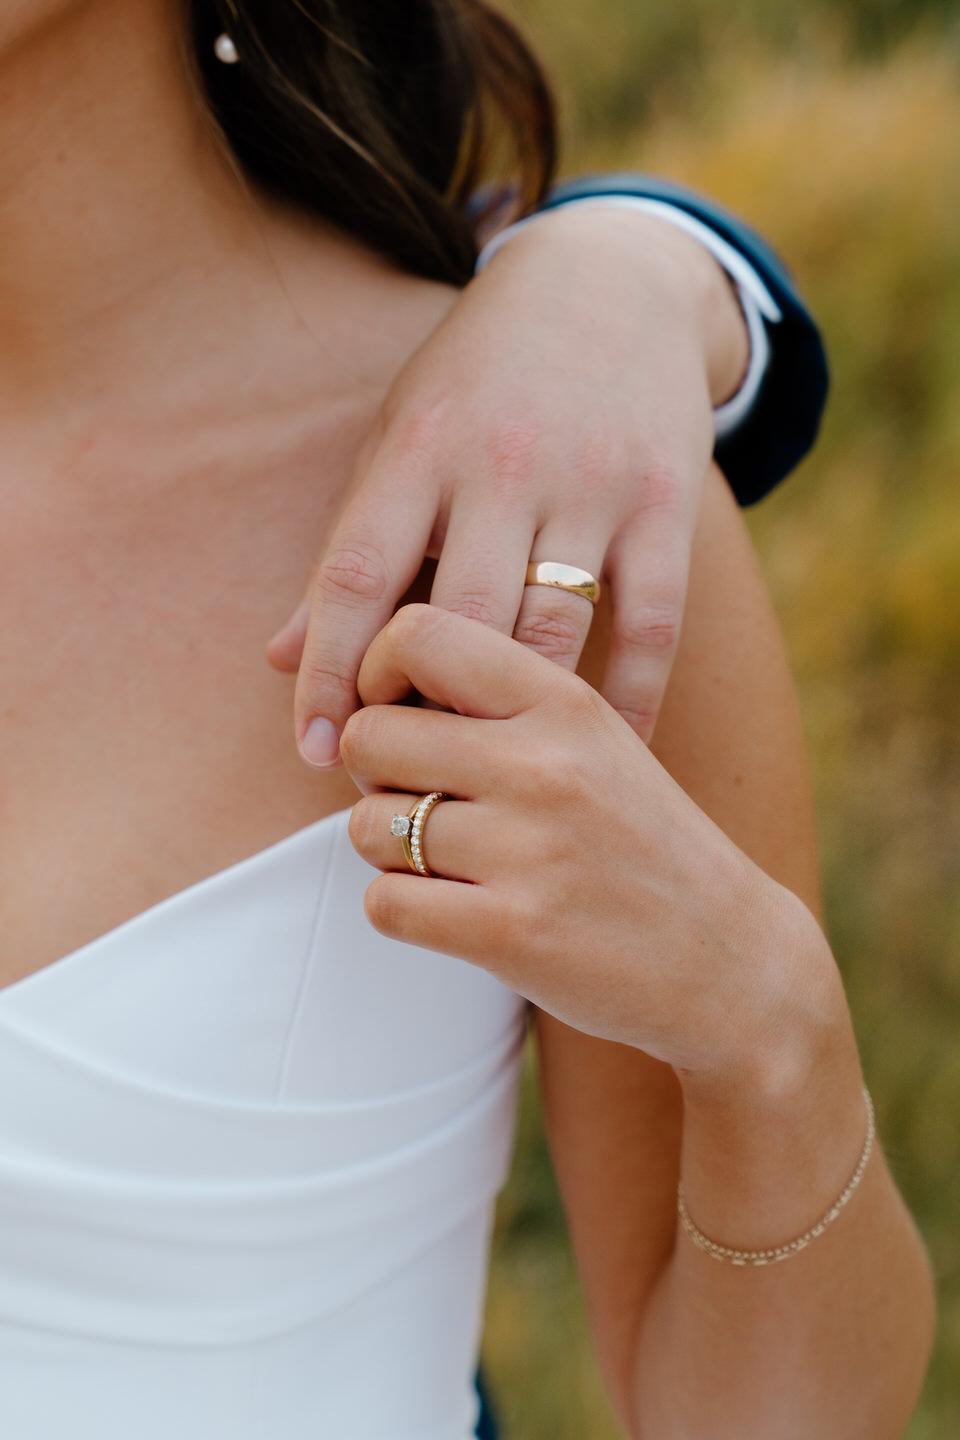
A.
pixel 561 411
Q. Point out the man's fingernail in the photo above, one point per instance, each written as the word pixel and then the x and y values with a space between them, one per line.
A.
pixel 320 745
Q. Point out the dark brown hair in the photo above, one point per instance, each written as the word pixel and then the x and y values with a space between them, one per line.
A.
pixel 384 116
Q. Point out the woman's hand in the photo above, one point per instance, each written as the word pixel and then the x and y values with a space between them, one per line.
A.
pixel 575 869
pixel 562 411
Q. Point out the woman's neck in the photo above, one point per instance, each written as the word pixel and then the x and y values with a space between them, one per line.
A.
pixel 124 228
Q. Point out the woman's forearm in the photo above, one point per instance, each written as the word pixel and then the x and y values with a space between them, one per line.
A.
pixel 830 1344
pixel 602 893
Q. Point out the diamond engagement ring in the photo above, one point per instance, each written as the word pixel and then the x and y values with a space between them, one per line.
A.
pixel 409 830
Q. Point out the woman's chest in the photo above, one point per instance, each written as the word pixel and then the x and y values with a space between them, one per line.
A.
pixel 144 741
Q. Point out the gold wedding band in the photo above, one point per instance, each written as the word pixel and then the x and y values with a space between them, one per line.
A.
pixel 564 577
pixel 409 829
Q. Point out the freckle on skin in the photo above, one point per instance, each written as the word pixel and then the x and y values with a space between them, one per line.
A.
pixel 738 779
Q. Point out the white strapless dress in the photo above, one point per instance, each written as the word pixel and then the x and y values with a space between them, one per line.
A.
pixel 249 1151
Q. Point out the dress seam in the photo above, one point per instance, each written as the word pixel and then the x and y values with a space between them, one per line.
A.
pixel 306 970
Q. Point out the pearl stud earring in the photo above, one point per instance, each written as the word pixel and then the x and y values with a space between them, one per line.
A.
pixel 225 50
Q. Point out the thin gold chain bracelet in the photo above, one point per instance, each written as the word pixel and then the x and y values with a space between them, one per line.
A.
pixel 783 1252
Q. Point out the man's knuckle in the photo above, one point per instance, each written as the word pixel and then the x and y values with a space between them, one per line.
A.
pixel 354 572
pixel 596 459
pixel 513 452
pixel 322 676
pixel 476 606
pixel 554 634
pixel 654 631
pixel 416 433
pixel 640 716
pixel 661 488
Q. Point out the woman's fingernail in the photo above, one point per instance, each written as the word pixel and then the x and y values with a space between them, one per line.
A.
pixel 320 745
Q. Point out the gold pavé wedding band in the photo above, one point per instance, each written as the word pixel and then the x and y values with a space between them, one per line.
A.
pixel 564 577
pixel 409 829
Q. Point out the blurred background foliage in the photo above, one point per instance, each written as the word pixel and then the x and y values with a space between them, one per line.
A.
pixel 834 127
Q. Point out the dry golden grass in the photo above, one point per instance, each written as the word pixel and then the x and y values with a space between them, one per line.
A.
pixel 852 168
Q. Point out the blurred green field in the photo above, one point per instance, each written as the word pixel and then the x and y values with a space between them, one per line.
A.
pixel 835 128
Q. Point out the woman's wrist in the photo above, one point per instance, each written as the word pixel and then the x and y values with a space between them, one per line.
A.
pixel 630 248
pixel 772 1136
pixel 784 1008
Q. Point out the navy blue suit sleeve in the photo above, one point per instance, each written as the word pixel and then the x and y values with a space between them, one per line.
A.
pixel 784 420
